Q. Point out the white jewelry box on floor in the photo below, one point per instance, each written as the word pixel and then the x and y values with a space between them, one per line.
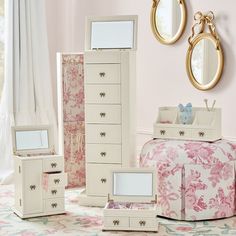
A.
pixel 39 173
pixel 132 201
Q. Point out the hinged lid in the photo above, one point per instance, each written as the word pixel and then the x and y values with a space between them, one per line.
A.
pixel 111 32
pixel 133 185
pixel 32 140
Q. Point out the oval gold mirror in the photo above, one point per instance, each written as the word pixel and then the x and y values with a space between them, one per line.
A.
pixel 168 20
pixel 205 58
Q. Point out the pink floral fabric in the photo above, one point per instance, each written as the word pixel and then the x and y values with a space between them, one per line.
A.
pixel 196 180
pixel 73 111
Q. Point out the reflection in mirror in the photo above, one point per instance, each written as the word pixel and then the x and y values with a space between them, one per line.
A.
pixel 112 34
pixel 31 139
pixel 132 184
pixel 168 18
pixel 204 61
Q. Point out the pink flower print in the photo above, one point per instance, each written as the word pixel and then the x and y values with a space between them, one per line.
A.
pixel 184 228
pixel 200 205
pixel 172 153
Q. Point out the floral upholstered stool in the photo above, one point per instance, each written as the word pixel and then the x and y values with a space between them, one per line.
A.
pixel 196 180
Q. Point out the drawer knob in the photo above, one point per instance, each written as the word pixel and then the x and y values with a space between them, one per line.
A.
pixel 53 165
pixel 32 187
pixel 142 222
pixel 181 133
pixel 54 205
pixel 102 94
pixel 102 114
pixel 103 180
pixel 102 134
pixel 102 74
pixel 103 154
pixel 54 192
pixel 162 132
pixel 56 181
pixel 201 134
pixel 116 222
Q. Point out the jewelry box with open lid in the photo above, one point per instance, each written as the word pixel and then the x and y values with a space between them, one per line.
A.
pixel 132 201
pixel 40 179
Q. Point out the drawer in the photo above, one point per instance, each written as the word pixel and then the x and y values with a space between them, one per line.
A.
pixel 116 222
pixel 98 179
pixel 54 205
pixel 54 192
pixel 163 132
pixel 103 153
pixel 53 164
pixel 203 134
pixel 143 222
pixel 102 73
pixel 103 134
pixel 103 114
pixel 58 179
pixel 181 133
pixel 103 94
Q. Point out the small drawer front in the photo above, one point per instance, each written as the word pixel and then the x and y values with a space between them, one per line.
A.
pixel 203 134
pixel 143 223
pixel 55 180
pixel 98 179
pixel 103 94
pixel 103 134
pixel 56 192
pixel 102 74
pixel 54 205
pixel 181 133
pixel 103 114
pixel 116 222
pixel 163 132
pixel 53 164
pixel 106 153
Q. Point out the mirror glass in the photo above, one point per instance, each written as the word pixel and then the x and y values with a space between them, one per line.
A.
pixel 31 139
pixel 112 34
pixel 204 61
pixel 168 18
pixel 132 184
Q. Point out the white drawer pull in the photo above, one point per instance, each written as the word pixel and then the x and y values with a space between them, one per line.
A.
pixel 116 222
pixel 54 192
pixel 56 181
pixel 162 132
pixel 32 187
pixel 102 114
pixel 53 165
pixel 103 180
pixel 201 134
pixel 102 74
pixel 103 154
pixel 181 133
pixel 142 222
pixel 54 205
pixel 102 94
pixel 102 134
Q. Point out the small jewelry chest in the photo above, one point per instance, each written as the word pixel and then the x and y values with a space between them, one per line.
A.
pixel 132 203
pixel 39 173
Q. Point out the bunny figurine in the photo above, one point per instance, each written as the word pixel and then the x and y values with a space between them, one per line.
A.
pixel 185 113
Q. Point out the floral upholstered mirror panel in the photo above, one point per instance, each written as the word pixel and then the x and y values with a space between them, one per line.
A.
pixel 168 19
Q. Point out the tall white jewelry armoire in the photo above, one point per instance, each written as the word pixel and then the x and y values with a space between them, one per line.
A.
pixel 110 92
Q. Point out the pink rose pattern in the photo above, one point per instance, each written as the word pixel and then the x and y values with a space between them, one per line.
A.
pixel 195 179
pixel 73 111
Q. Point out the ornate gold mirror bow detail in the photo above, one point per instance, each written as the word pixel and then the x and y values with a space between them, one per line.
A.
pixel 203 20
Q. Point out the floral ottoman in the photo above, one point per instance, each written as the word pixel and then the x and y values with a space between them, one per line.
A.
pixel 196 180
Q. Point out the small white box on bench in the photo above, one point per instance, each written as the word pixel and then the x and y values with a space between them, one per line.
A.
pixel 132 201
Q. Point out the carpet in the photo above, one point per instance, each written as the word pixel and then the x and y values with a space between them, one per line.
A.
pixel 80 221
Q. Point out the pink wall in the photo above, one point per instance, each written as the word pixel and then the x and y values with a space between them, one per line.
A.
pixel 161 74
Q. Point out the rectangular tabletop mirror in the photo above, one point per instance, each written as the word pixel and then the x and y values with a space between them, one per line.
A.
pixel 32 139
pixel 134 184
pixel 111 32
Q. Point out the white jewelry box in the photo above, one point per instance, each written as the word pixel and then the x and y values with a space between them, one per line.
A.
pixel 132 201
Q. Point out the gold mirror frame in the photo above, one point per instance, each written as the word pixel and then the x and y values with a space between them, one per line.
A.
pixel 203 20
pixel 181 27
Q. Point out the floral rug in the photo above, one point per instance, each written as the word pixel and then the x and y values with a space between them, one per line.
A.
pixel 82 221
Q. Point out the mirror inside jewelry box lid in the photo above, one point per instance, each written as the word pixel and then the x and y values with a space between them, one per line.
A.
pixel 32 140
